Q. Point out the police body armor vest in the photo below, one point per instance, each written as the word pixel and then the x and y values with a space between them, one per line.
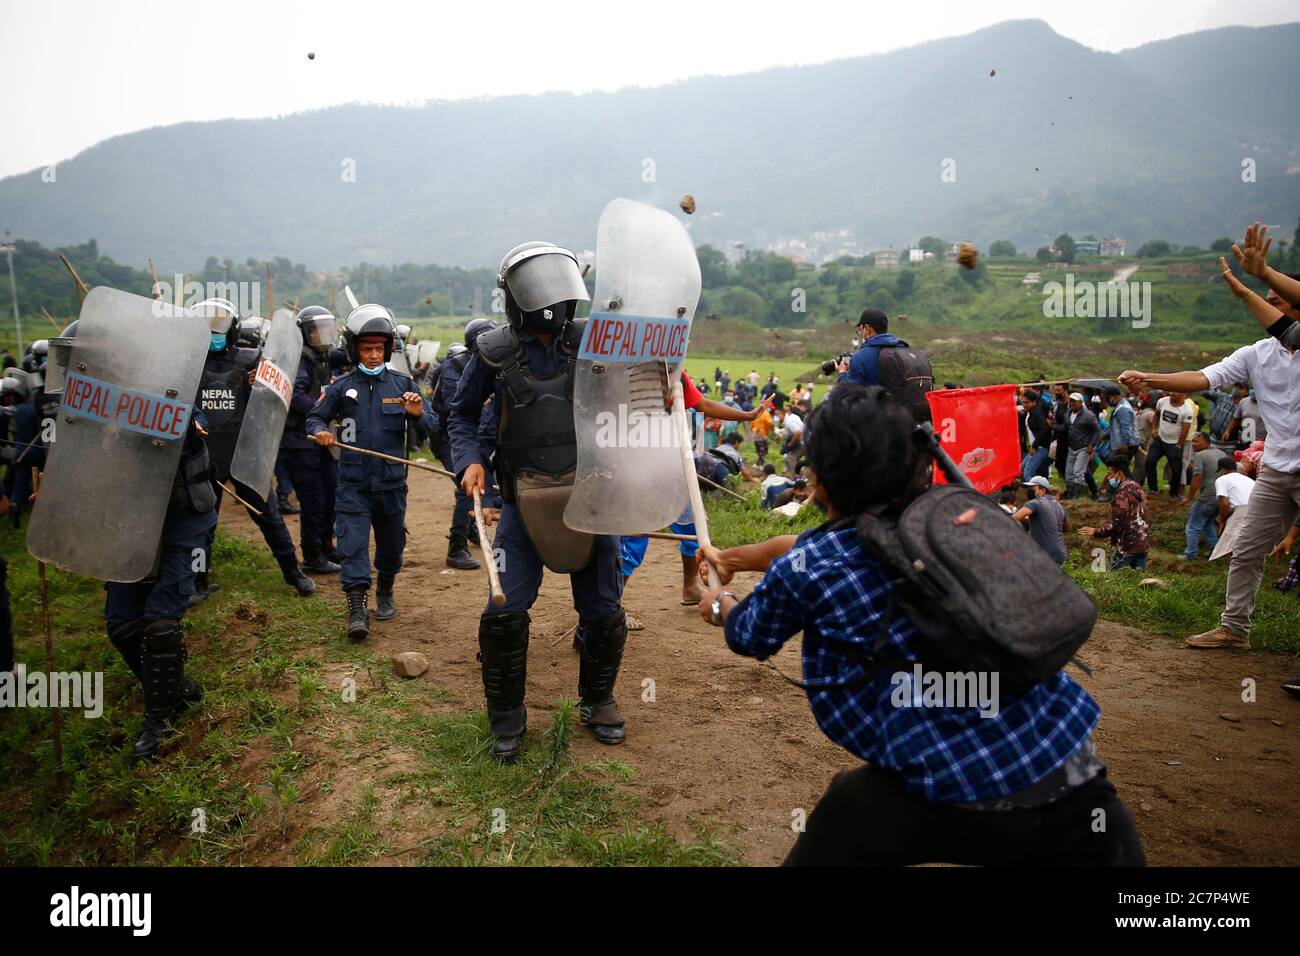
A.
pixel 317 376
pixel 192 489
pixel 439 401
pixel 223 397
pixel 537 445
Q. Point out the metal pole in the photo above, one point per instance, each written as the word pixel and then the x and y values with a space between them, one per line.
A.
pixel 13 294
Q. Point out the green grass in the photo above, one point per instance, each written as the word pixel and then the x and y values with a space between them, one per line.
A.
pixel 250 757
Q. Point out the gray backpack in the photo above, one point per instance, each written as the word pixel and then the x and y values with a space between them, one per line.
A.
pixel 981 594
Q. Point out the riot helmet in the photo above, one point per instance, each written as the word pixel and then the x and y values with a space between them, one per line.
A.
pixel 18 383
pixel 473 329
pixel 367 320
pixel 250 332
pixel 60 356
pixel 223 323
pixel 404 333
pixel 542 286
pixel 319 328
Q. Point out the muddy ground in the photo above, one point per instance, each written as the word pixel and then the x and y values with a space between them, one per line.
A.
pixel 728 744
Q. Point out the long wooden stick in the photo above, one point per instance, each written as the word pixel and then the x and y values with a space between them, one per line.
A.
pixel 157 286
pixel 49 643
pixel 692 486
pixel 424 466
pixel 230 491
pixel 723 488
pixel 82 290
pixel 670 536
pixel 46 313
pixel 495 594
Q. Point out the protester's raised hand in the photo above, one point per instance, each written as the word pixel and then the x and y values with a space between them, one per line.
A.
pixel 1253 251
pixel 1235 285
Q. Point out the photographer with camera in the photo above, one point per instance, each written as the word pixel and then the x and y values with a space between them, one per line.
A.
pixel 944 781
pixel 889 362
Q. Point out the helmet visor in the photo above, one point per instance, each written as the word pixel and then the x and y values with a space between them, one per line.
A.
pixel 319 333
pixel 545 279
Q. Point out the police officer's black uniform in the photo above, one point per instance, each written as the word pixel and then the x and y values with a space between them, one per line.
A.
pixel 531 382
pixel 223 395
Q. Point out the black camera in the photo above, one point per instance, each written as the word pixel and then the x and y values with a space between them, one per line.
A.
pixel 828 367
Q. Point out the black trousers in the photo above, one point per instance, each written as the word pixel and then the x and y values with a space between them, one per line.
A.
pixel 1161 449
pixel 866 818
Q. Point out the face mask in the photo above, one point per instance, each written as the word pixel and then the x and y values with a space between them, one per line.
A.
pixel 218 343
pixel 1114 483
pixel 372 372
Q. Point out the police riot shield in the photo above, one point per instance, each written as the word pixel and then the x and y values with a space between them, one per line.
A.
pixel 426 353
pixel 128 394
pixel 629 477
pixel 268 405
pixel 398 362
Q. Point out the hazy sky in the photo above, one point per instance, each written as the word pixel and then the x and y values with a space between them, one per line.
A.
pixel 74 72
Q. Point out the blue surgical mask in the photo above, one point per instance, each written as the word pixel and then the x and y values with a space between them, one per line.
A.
pixel 1114 483
pixel 372 372
pixel 218 343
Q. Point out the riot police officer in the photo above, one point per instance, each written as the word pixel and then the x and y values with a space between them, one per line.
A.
pixel 29 446
pixel 376 408
pixel 311 468
pixel 449 375
pixel 223 395
pixel 144 618
pixel 528 366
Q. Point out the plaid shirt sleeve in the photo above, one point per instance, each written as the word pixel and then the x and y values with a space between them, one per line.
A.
pixel 768 617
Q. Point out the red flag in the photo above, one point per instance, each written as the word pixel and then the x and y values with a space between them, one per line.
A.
pixel 979 428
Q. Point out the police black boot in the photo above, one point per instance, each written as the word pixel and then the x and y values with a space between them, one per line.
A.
pixel 204 588
pixel 163 665
pixel 286 506
pixel 358 615
pixel 315 562
pixel 503 651
pixel 294 577
pixel 385 608
pixel 602 653
pixel 458 555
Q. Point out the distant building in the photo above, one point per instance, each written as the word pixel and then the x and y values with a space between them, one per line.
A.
pixel 915 255
pixel 1111 247
pixel 887 258
pixel 1087 247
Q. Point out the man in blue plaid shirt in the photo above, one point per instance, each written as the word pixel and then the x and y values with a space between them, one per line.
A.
pixel 961 782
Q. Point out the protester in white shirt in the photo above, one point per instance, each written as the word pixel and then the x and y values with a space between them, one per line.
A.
pixel 1175 419
pixel 1274 371
pixel 1233 490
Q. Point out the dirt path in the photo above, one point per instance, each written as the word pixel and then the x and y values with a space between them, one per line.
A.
pixel 727 743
